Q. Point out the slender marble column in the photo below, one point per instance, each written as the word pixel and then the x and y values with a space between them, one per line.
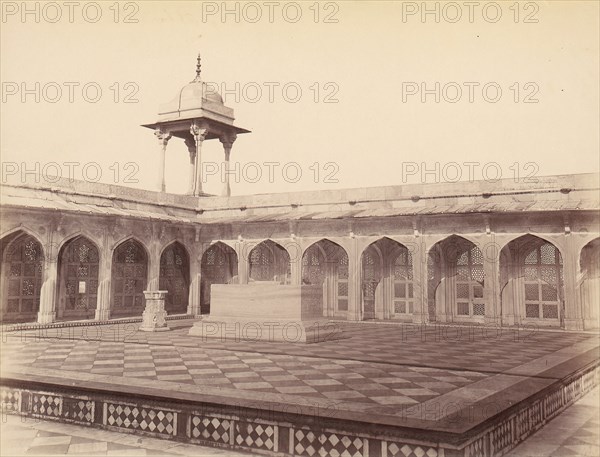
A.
pixel 227 141
pixel 573 317
pixel 163 139
pixel 104 280
pixel 354 281
pixel 191 145
pixel 199 135
pixel 47 312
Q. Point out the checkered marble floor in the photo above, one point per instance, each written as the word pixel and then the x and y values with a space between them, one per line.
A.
pixel 380 366
pixel 26 436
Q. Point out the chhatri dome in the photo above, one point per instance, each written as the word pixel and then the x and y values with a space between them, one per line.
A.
pixel 196 114
pixel 196 99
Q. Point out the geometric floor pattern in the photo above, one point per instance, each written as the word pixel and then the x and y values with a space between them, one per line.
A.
pixel 382 366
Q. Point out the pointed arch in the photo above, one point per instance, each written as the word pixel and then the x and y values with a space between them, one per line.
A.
pixel 131 237
pixel 219 265
pixel 11 234
pixel 536 236
pixel 174 277
pixel 78 270
pixel 22 275
pixel 387 280
pixel 532 281
pixel 129 278
pixel 589 258
pixel 455 280
pixel 79 233
pixel 269 261
pixel 325 265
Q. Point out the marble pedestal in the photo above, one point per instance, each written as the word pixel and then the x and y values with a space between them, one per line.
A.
pixel 154 318
pixel 265 311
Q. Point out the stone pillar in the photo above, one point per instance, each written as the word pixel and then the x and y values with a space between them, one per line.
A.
pixel 199 135
pixel 227 141
pixel 295 253
pixel 194 295
pixel 419 261
pixel 442 294
pixel 104 282
pixel 573 317
pixel 154 318
pixel 243 253
pixel 354 282
pixel 196 252
pixel 163 139
pixel 47 312
pixel 191 146
pixel 491 285
pixel 153 266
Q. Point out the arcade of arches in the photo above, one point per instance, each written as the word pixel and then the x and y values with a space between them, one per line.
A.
pixel 525 280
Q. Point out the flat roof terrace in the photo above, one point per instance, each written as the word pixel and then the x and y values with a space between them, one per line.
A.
pixel 546 194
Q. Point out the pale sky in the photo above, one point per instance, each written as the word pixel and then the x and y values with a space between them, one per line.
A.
pixel 368 61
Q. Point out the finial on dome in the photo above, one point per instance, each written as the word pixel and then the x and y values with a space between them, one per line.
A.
pixel 198 67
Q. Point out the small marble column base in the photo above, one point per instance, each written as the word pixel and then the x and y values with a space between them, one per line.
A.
pixel 492 321
pixel 573 324
pixel 102 314
pixel 46 318
pixel 420 318
pixel 154 318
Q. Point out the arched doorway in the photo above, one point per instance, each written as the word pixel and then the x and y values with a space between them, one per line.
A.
pixel 456 280
pixel 129 278
pixel 269 261
pixel 174 277
pixel 531 280
pixel 78 279
pixel 589 284
pixel 219 266
pixel 387 281
pixel 22 274
pixel 325 264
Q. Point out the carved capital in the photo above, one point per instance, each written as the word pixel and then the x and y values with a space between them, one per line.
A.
pixel 163 137
pixel 191 145
pixel 198 133
pixel 228 140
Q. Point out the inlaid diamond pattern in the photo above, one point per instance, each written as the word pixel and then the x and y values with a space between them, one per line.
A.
pixel 255 435
pixel 47 405
pixel 79 410
pixel 327 444
pixel 406 450
pixel 146 419
pixel 9 400
pixel 211 428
